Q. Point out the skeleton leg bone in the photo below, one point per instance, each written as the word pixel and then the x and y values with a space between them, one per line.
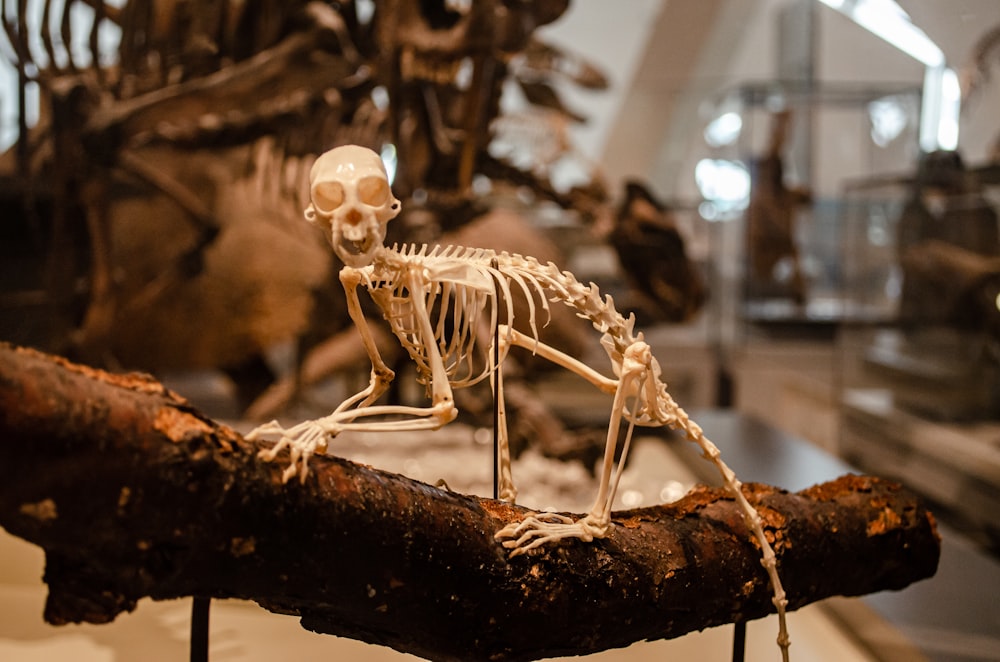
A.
pixel 541 528
pixel 507 336
pixel 638 381
pixel 506 490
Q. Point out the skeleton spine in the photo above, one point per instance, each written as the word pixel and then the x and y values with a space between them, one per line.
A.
pixel 617 333
pixel 563 285
pixel 585 299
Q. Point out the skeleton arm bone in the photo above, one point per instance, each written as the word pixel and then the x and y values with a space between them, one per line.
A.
pixel 442 409
pixel 306 438
pixel 381 375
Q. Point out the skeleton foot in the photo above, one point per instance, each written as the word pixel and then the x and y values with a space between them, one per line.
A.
pixel 302 440
pixel 507 493
pixel 538 529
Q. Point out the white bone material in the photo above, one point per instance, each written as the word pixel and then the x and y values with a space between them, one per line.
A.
pixel 351 202
pixel 433 300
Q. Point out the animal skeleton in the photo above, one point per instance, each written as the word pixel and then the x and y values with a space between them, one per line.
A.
pixel 431 301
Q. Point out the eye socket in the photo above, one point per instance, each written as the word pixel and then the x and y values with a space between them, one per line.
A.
pixel 373 191
pixel 327 196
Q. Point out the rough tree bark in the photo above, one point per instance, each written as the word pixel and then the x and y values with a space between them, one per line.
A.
pixel 133 493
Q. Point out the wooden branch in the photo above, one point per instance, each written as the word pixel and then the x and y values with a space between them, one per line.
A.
pixel 133 493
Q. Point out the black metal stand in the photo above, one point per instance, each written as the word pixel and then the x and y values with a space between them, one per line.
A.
pixel 199 629
pixel 496 395
pixel 496 410
pixel 739 641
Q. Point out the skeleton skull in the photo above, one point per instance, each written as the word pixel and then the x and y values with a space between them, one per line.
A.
pixel 351 202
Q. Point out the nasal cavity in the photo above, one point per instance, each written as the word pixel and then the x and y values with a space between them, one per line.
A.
pixel 353 217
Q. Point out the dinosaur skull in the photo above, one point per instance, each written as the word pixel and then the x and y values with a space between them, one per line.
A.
pixel 351 202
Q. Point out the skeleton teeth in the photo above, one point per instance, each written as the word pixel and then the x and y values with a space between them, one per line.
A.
pixel 354 247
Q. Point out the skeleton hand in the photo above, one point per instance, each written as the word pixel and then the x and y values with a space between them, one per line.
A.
pixel 303 441
pixel 537 529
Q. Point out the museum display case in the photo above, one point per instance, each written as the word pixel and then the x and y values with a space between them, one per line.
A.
pixel 921 368
pixel 776 154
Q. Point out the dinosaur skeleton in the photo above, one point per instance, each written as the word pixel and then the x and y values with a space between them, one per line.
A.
pixel 431 300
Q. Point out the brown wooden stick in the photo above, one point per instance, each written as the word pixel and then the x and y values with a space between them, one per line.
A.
pixel 133 493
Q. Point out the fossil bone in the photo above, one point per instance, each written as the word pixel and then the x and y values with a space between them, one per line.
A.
pixel 431 297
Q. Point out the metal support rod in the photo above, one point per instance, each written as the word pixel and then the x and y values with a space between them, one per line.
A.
pixel 496 402
pixel 739 641
pixel 199 629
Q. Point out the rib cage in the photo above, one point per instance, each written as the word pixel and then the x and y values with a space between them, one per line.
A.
pixel 460 283
pixel 453 309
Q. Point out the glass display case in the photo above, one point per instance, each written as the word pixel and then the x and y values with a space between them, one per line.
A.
pixel 778 219
pixel 921 368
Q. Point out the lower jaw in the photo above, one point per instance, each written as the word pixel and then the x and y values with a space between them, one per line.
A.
pixel 353 252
